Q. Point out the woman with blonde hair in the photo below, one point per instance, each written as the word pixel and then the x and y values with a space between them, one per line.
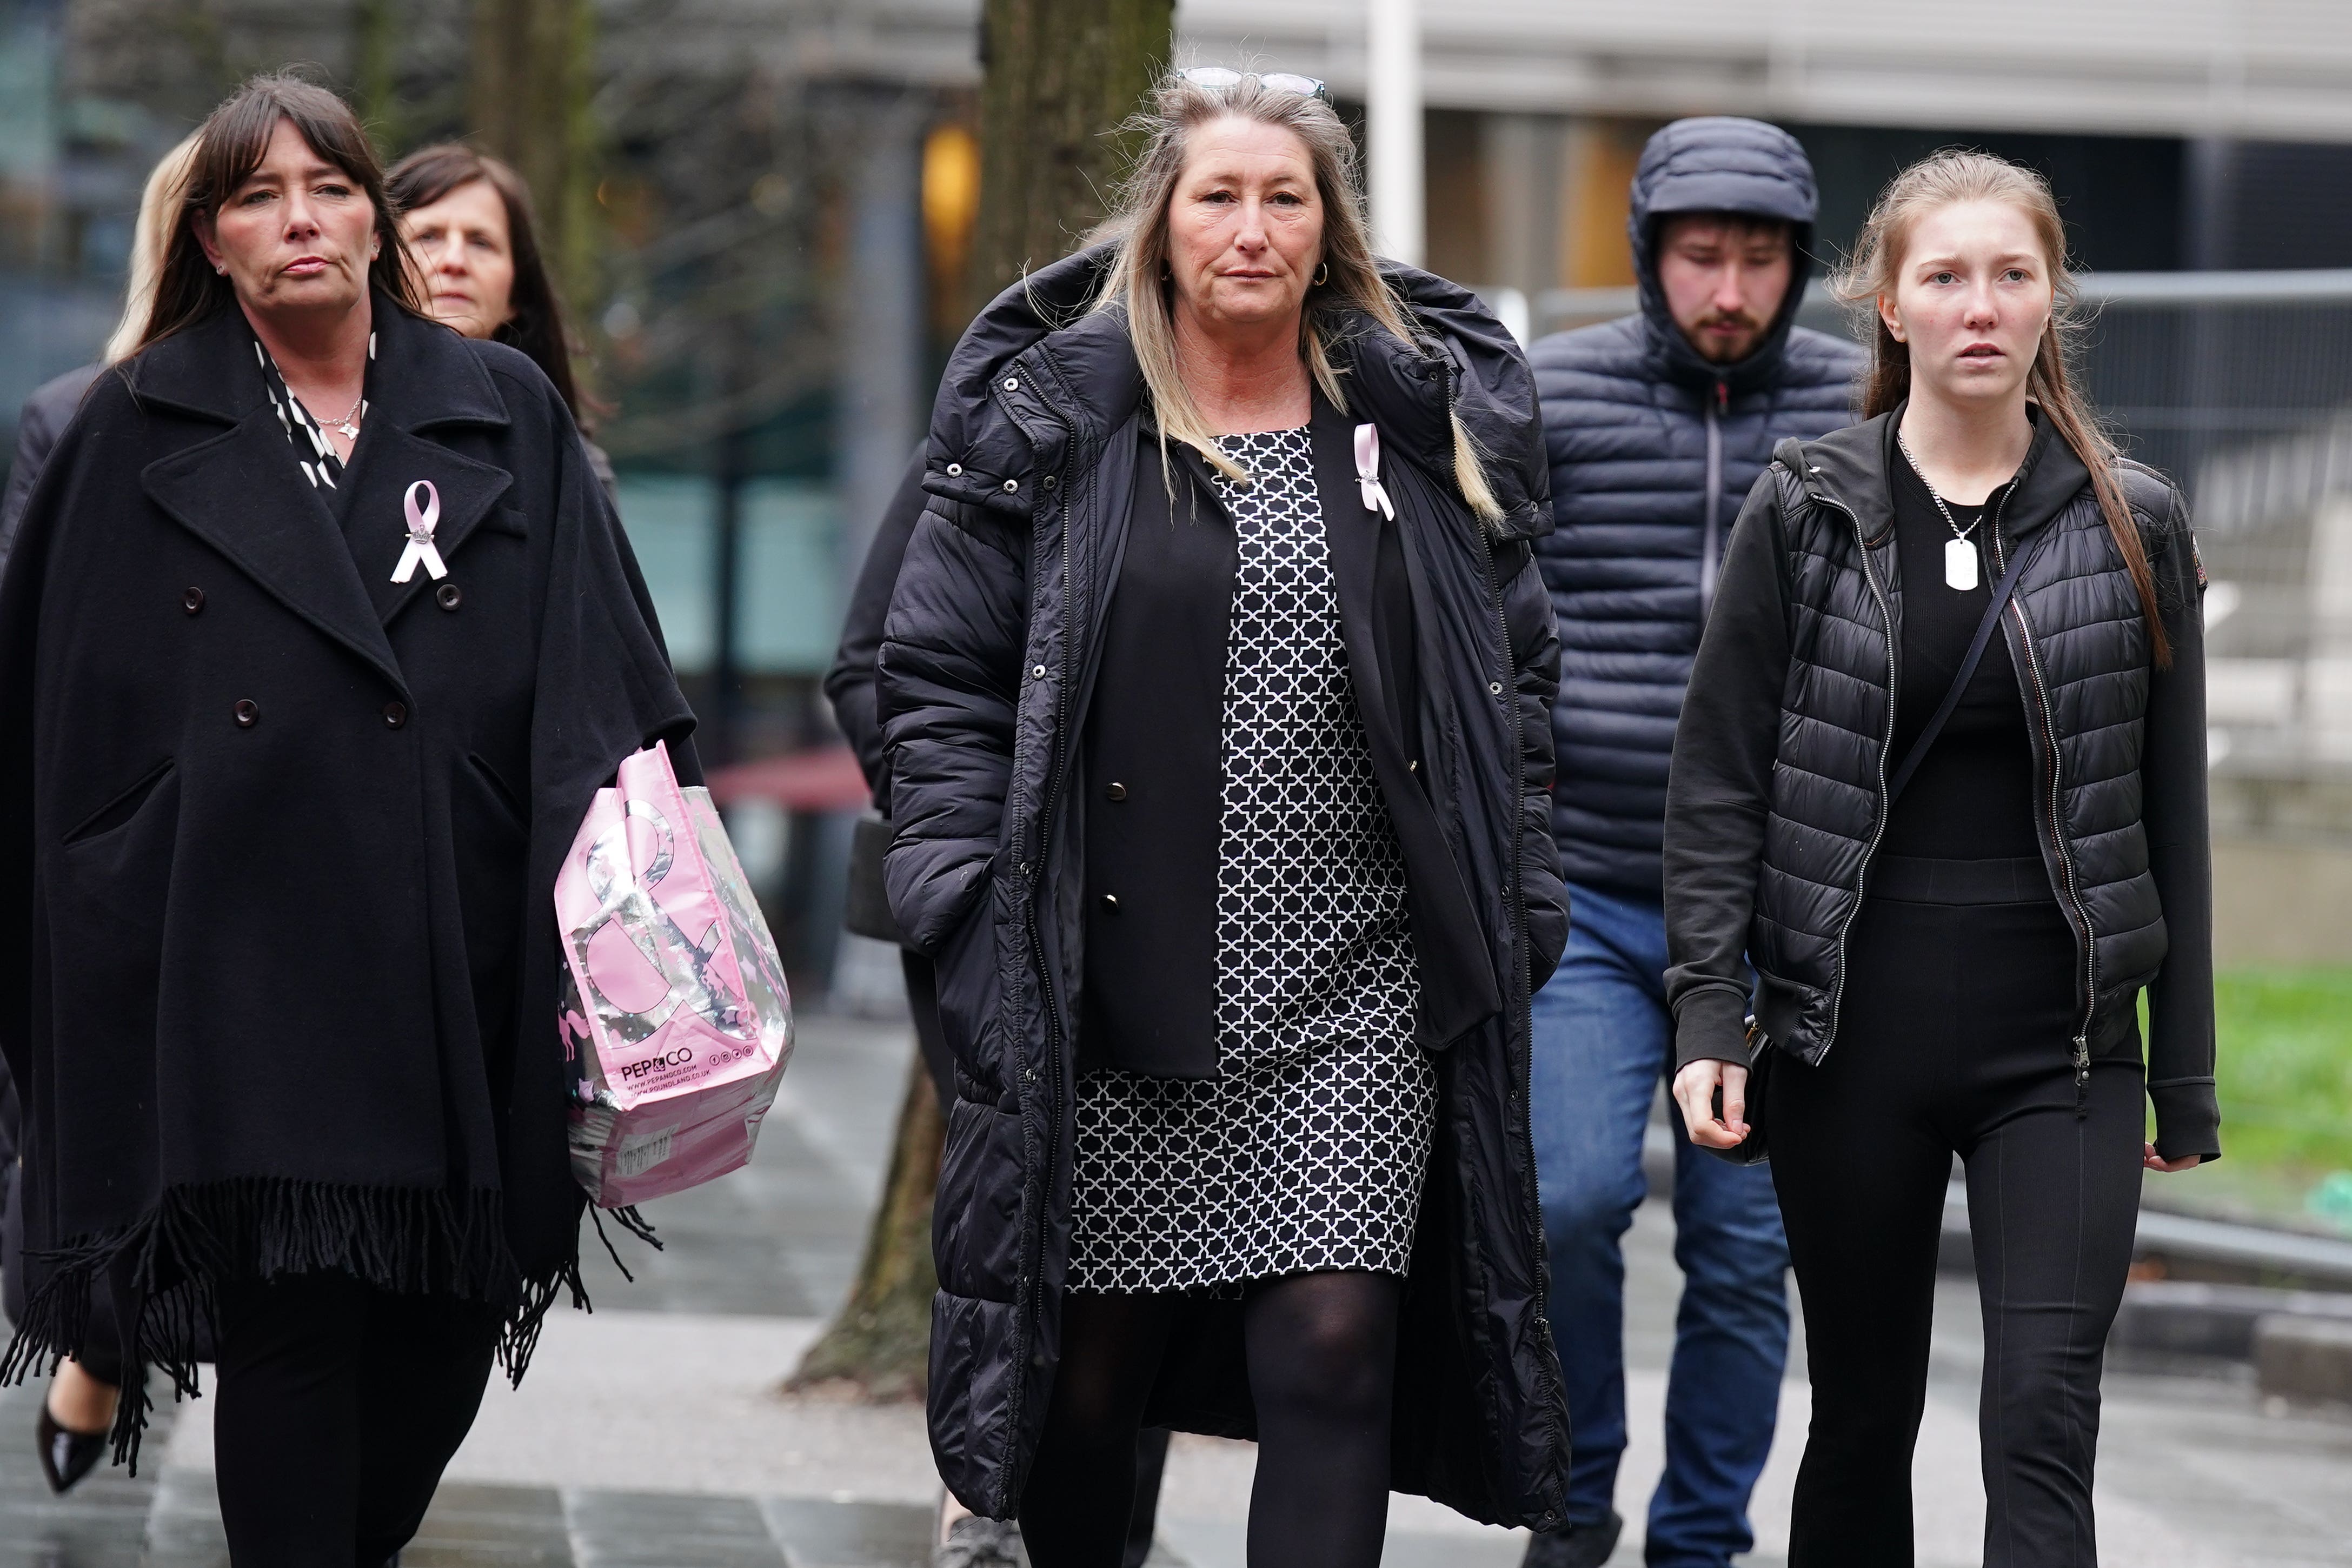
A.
pixel 1940 779
pixel 1216 688
pixel 79 1404
pixel 53 403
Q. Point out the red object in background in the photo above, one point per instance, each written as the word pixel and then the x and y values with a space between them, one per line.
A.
pixel 824 780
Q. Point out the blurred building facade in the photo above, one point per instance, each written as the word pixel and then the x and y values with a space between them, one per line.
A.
pixel 783 192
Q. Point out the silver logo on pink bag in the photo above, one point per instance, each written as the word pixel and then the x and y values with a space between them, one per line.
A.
pixel 626 901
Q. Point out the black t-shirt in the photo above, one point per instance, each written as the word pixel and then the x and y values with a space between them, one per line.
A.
pixel 1971 797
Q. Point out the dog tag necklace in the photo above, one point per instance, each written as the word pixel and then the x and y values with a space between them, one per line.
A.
pixel 1959 550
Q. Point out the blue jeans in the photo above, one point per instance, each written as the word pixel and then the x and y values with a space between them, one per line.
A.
pixel 1604 1039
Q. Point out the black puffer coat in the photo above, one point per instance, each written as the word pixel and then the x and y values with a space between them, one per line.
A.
pixel 987 668
pixel 1652 449
pixel 1781 771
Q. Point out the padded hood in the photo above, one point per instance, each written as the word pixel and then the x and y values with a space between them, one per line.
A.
pixel 1718 163
pixel 1038 366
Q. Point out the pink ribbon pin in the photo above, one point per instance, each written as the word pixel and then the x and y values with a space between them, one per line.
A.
pixel 1368 471
pixel 420 533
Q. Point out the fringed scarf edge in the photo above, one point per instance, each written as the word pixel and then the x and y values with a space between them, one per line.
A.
pixel 408 1241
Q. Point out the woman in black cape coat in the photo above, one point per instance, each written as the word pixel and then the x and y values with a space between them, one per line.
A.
pixel 278 955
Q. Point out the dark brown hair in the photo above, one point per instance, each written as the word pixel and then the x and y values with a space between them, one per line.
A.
pixel 1945 179
pixel 230 146
pixel 535 319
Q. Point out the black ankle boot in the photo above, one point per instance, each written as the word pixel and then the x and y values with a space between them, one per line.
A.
pixel 67 1457
pixel 1575 1545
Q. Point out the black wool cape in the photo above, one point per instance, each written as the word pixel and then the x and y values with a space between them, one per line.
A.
pixel 277 953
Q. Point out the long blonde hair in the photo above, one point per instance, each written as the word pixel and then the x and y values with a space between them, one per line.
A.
pixel 1945 179
pixel 159 209
pixel 1351 276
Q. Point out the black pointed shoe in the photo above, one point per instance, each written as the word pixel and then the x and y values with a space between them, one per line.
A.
pixel 67 1457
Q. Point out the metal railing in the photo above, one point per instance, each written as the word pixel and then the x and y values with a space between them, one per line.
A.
pixel 2238 387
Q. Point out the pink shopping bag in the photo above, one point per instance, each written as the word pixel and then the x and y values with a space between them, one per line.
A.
pixel 675 1017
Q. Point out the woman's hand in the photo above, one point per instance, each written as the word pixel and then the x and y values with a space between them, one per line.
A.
pixel 1694 1089
pixel 2155 1162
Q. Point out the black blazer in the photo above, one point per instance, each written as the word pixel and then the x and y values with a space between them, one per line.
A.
pixel 1154 743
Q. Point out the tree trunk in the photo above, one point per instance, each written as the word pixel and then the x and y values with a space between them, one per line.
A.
pixel 528 91
pixel 375 85
pixel 1062 76
pixel 880 1344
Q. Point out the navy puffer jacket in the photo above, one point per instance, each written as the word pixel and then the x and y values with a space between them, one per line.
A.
pixel 1653 448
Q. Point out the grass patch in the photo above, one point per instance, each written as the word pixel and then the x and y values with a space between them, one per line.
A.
pixel 2284 1062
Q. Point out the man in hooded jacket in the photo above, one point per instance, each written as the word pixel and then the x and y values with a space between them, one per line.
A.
pixel 1657 426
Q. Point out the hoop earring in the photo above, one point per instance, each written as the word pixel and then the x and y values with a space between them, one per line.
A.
pixel 1322 274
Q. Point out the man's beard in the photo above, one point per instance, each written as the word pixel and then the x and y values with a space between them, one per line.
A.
pixel 1726 351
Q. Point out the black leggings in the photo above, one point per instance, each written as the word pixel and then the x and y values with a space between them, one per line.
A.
pixel 1321 1352
pixel 339 1406
pixel 1956 1038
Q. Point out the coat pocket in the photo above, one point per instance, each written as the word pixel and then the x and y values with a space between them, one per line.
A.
pixel 971 995
pixel 119 810
pixel 108 892
pixel 976 1214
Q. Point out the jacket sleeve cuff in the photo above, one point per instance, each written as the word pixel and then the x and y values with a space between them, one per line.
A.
pixel 1711 1025
pixel 2188 1118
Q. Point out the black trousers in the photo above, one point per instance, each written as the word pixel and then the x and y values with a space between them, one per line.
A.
pixel 1956 1038
pixel 339 1406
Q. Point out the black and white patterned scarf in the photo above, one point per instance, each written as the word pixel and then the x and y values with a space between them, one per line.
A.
pixel 312 450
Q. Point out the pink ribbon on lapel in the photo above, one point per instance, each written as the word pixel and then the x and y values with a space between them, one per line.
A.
pixel 420 533
pixel 1368 471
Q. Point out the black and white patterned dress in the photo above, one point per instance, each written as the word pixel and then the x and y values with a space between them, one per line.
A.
pixel 1308 1150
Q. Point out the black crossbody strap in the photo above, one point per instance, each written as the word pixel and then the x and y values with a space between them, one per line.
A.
pixel 2001 592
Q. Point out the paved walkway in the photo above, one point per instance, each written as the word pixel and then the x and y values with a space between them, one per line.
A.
pixel 651 1434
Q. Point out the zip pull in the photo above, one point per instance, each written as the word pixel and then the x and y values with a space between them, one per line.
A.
pixel 1723 397
pixel 2082 1077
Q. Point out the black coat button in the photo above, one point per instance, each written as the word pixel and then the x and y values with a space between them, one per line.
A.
pixel 395 714
pixel 192 600
pixel 248 713
pixel 1117 791
pixel 449 596
pixel 1111 903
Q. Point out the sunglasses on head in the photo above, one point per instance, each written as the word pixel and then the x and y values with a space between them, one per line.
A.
pixel 1217 79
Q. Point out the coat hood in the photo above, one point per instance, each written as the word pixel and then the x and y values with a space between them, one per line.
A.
pixel 1037 368
pixel 1718 163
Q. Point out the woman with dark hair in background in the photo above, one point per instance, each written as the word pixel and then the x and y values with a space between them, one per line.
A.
pixel 79 1404
pixel 470 225
pixel 1940 778
pixel 317 643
